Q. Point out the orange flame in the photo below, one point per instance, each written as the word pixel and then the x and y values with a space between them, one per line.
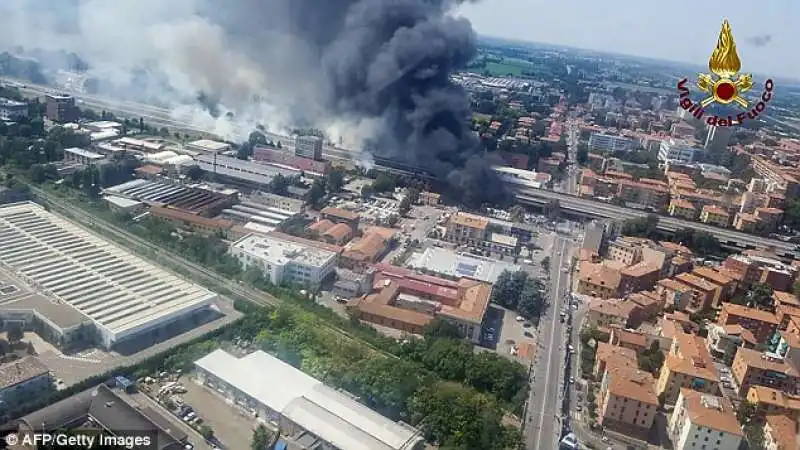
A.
pixel 725 61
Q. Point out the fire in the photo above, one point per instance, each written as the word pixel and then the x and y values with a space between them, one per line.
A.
pixel 725 61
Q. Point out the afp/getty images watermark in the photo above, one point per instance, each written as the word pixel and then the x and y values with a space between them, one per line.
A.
pixel 84 439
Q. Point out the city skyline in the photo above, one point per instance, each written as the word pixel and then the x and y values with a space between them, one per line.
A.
pixel 764 34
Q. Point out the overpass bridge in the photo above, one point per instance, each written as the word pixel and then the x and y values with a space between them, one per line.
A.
pixel 596 209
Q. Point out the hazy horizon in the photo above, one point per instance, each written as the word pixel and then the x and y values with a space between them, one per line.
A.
pixel 764 33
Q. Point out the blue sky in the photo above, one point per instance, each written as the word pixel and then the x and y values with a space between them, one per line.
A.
pixel 677 30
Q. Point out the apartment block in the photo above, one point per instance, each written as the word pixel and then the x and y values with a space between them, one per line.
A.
pixel 714 215
pixel 761 323
pixel 781 433
pixel 703 421
pixel 627 402
pixel 644 194
pixel 753 368
pixel 723 341
pixel 598 279
pixel 708 292
pixel 675 294
pixel 467 228
pixel 626 250
pixel 682 209
pixel 770 401
pixel 608 355
pixel 721 279
pixel 688 365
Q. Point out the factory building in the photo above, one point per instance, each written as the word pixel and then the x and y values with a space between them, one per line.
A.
pixel 285 159
pixel 283 261
pixel 193 200
pixel 131 303
pixel 307 413
pixel 242 171
pixel 207 146
pixel 81 156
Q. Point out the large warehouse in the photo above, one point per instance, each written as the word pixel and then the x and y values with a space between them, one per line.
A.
pixel 308 413
pixel 125 297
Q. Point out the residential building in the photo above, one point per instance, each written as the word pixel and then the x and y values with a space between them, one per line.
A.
pixel 429 198
pixel 406 300
pixel 627 402
pixel 608 355
pixel 678 151
pixel 626 249
pixel 638 277
pixel 703 421
pixel 605 312
pixel 718 138
pixel 12 110
pixel 633 340
pixel 708 292
pixel 610 143
pixel 598 279
pixel 785 312
pixel 682 209
pixel 745 222
pixel 308 147
pixel 714 215
pixel 306 413
pixel 781 433
pixel 467 228
pixel 675 294
pixel 769 401
pixel 61 108
pixel 721 279
pixel 284 262
pixel 753 368
pixel 762 324
pixel 358 255
pixel 687 365
pixel 22 381
pixel 644 194
pixel 340 215
pixel 724 340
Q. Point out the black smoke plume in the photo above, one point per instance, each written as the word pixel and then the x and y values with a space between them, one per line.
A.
pixel 759 41
pixel 374 71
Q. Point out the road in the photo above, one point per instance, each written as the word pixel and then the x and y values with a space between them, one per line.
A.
pixel 595 208
pixel 542 429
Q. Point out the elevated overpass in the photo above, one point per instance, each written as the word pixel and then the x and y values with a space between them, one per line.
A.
pixel 596 209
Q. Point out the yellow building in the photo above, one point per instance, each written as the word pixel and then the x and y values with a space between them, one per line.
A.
pixel 467 228
pixel 688 365
pixel 627 401
pixel 772 401
pixel 683 209
pixel 714 215
pixel 598 279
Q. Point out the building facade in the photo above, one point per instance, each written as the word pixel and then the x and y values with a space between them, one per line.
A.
pixel 702 421
pixel 308 147
pixel 283 261
pixel 12 110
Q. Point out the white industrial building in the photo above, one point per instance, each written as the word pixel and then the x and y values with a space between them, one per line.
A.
pixel 253 212
pixel 81 156
pixel 446 262
pixel 610 143
pixel 125 297
pixel 12 109
pixel 238 169
pixel 283 261
pixel 680 152
pixel 207 146
pixel 308 413
pixel 168 159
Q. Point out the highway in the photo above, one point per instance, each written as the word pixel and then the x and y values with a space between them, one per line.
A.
pixel 593 208
pixel 160 116
pixel 542 429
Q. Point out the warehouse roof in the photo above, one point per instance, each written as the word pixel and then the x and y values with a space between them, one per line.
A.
pixel 116 290
pixel 325 412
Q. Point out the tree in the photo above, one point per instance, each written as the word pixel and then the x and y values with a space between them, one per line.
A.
pixel 760 295
pixel 545 264
pixel 367 191
pixel 651 359
pixel 141 124
pixel 438 329
pixel 262 438
pixel 279 185
pixel 206 431
pixel 517 214
pixel 796 288
pixel 15 333
pixel 245 151
pixel 335 180
pixel 582 154
pixel 413 195
pixel 405 206
pixel 384 183
pixel 317 192
pixel 531 301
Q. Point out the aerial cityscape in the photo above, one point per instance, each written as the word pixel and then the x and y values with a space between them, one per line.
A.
pixel 370 225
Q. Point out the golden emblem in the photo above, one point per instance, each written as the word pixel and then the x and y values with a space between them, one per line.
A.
pixel 725 64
